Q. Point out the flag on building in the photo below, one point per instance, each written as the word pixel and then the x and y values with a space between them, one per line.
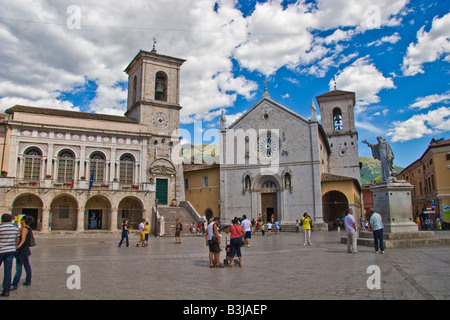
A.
pixel 91 180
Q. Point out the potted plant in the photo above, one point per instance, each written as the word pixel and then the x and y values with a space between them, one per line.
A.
pixel 174 202
pixel 4 173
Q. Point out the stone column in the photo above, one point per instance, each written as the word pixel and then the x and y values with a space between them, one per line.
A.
pixel 45 219
pixel 80 219
pixel 113 226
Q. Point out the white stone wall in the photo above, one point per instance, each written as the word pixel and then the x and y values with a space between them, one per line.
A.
pixel 298 154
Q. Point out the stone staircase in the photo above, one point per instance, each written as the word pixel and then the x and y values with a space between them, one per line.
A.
pixel 287 228
pixel 170 215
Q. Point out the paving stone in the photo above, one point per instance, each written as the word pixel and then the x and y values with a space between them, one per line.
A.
pixel 276 267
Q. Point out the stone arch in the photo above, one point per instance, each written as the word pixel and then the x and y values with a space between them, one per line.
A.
pixel 97 213
pixel 64 212
pixel 28 204
pixel 334 204
pixel 132 209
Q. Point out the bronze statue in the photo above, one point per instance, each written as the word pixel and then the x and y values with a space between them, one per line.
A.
pixel 382 151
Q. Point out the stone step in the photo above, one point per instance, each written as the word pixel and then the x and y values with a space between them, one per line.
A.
pixel 402 239
pixel 400 235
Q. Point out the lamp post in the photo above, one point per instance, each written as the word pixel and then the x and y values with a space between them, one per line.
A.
pixel 156 215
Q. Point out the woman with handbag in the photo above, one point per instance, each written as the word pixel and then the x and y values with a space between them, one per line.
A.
pixel 237 233
pixel 23 253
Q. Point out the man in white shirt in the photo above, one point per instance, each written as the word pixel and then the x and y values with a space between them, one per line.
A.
pixel 212 238
pixel 350 227
pixel 376 224
pixel 9 239
pixel 247 225
pixel 141 234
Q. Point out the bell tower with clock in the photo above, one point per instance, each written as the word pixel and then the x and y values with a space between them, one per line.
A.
pixel 338 122
pixel 154 91
pixel 154 102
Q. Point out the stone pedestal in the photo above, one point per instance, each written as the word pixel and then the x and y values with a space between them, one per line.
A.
pixel 392 200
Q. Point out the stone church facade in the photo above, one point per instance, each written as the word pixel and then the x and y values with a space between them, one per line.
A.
pixel 81 171
pixel 277 164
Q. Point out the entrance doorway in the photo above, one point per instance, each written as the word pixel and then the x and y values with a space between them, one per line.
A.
pixel 94 219
pixel 31 212
pixel 269 206
pixel 161 191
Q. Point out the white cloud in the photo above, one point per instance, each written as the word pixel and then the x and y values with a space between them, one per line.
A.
pixel 364 79
pixel 364 14
pixel 394 38
pixel 430 46
pixel 419 125
pixel 39 60
pixel 427 101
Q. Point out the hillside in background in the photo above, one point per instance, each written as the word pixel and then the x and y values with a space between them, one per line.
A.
pixel 371 169
pixel 195 152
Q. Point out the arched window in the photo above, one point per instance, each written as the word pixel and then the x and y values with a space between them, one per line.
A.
pixel 126 169
pixel 161 86
pixel 32 167
pixel 97 167
pixel 66 166
pixel 337 119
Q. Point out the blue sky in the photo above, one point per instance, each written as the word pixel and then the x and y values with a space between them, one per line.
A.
pixel 393 54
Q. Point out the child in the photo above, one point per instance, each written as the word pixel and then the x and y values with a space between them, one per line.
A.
pixel 263 229
pixel 146 232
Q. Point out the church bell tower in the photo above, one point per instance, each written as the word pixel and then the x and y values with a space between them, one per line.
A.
pixel 154 91
pixel 338 122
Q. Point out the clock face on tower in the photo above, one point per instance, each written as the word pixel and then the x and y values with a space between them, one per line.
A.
pixel 160 120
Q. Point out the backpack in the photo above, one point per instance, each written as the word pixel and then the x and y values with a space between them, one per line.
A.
pixel 181 226
pixel 32 242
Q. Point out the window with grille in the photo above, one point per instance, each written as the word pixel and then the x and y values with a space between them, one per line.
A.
pixel 126 169
pixel 32 167
pixel 97 168
pixel 64 212
pixel 66 161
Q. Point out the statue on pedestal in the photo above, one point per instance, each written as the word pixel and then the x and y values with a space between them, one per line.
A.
pixel 382 151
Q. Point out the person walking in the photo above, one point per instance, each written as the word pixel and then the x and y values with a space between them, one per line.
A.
pixel 306 224
pixel 269 228
pixel 9 239
pixel 213 243
pixel 247 225
pixel 237 232
pixel 350 228
pixel 376 225
pixel 23 253
pixel 141 234
pixel 277 227
pixel 125 232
